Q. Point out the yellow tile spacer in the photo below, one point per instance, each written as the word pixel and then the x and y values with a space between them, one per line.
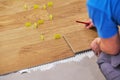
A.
pixel 44 7
pixel 50 17
pixel 50 4
pixel 42 37
pixel 28 24
pixel 25 6
pixel 36 6
pixel 35 25
pixel 57 36
pixel 40 22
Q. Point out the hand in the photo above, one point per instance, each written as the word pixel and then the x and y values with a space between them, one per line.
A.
pixel 95 45
pixel 90 24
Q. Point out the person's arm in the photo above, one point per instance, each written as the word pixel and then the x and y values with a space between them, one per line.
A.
pixel 110 45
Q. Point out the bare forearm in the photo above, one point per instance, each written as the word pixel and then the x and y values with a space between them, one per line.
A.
pixel 110 46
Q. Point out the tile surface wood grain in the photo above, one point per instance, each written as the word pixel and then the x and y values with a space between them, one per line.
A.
pixel 34 55
pixel 80 40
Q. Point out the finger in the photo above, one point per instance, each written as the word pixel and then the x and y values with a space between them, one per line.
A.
pixel 90 25
pixel 96 51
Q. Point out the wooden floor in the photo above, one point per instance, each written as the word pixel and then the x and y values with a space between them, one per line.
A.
pixel 21 47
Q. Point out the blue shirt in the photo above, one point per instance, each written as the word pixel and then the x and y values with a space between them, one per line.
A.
pixel 105 15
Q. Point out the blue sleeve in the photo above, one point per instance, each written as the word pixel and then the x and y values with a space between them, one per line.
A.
pixel 106 27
